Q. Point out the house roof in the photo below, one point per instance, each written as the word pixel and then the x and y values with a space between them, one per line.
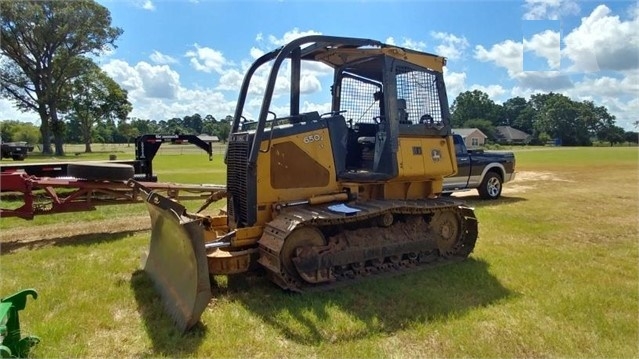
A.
pixel 510 133
pixel 208 138
pixel 465 132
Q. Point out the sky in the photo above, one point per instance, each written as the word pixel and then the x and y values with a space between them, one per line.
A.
pixel 180 57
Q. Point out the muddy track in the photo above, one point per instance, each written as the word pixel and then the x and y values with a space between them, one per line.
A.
pixel 31 237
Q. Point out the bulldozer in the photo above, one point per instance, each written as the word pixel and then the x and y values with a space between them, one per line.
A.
pixel 315 200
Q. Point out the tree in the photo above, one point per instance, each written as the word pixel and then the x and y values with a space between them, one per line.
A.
pixel 222 129
pixel 472 105
pixel 559 116
pixel 175 125
pixel 144 126
pixel 17 131
pixel 631 136
pixel 128 131
pixel 525 120
pixel 518 113
pixel 94 96
pixel 484 126
pixel 106 131
pixel 596 119
pixel 41 41
pixel 193 123
pixel 613 134
pixel 208 126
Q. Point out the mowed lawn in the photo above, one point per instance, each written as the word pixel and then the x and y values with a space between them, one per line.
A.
pixel 554 274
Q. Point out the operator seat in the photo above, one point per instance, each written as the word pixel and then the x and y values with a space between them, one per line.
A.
pixel 403 114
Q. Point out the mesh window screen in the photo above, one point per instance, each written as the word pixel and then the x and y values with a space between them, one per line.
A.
pixel 357 98
pixel 419 89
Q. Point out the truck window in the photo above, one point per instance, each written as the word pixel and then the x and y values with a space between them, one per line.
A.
pixel 460 149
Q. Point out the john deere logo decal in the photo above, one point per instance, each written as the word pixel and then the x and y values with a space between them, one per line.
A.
pixel 436 155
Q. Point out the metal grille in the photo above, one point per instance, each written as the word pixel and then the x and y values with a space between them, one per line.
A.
pixel 237 159
pixel 419 89
pixel 357 98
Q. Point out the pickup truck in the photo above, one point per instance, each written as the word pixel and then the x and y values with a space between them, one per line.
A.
pixel 16 150
pixel 481 170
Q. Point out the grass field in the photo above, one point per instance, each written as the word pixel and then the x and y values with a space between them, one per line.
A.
pixel 554 274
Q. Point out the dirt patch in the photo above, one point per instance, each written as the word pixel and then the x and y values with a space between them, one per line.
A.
pixel 51 234
pixel 525 176
pixel 525 181
pixel 513 188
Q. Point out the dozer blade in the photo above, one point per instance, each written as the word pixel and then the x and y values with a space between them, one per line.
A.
pixel 177 262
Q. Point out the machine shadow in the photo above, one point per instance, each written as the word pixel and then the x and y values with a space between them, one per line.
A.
pixel 476 202
pixel 75 240
pixel 166 339
pixel 375 305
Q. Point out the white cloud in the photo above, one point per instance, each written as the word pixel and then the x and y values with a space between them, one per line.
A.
pixel 607 86
pixel 256 53
pixel 493 91
pixel 603 42
pixel 307 106
pixel 316 69
pixel 144 4
pixel 289 36
pixel 145 80
pixel 549 9
pixel 507 54
pixel 455 83
pixel 544 80
pixel 157 94
pixel 310 84
pixel 207 60
pixel 407 43
pixel 451 47
pixel 230 80
pixel 158 81
pixel 162 59
pixel 124 74
pixel 547 45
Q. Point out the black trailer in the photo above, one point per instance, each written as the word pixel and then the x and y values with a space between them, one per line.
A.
pixel 17 151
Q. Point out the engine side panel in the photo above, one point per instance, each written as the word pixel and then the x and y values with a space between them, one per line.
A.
pixel 422 158
pixel 297 166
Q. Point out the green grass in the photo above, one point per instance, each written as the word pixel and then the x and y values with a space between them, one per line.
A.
pixel 554 274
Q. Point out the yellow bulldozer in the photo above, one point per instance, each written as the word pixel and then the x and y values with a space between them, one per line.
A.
pixel 319 199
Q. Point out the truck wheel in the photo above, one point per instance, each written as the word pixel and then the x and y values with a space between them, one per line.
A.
pixel 101 171
pixel 490 187
pixel 18 157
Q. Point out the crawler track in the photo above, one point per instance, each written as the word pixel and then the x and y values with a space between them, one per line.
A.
pixel 314 248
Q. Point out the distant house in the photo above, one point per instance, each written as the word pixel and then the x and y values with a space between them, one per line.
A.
pixel 208 138
pixel 512 136
pixel 473 137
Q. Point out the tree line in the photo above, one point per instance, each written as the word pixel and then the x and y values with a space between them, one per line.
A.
pixel 125 131
pixel 546 117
